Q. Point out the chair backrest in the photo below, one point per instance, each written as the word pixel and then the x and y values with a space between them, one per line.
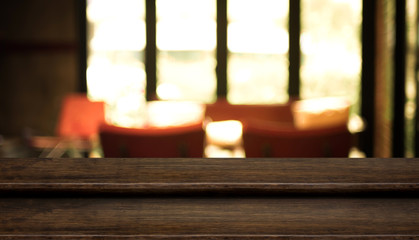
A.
pixel 168 142
pixel 222 110
pixel 80 117
pixel 268 140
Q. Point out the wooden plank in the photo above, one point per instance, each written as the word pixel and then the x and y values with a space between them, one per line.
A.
pixel 214 237
pixel 211 175
pixel 219 199
pixel 210 216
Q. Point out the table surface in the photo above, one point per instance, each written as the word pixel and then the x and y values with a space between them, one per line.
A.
pixel 218 174
pixel 209 198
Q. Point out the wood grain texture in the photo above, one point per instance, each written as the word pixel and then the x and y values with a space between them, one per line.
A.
pixel 209 199
pixel 224 237
pixel 217 175
pixel 204 216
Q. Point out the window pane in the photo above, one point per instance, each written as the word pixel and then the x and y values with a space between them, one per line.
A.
pixel 411 94
pixel 331 49
pixel 258 45
pixel 115 73
pixel 186 41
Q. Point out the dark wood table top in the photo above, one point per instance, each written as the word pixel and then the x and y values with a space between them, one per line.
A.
pixel 209 199
pixel 236 174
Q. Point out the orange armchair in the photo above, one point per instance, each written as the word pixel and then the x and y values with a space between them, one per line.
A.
pixel 270 140
pixel 80 117
pixel 167 142
pixel 76 130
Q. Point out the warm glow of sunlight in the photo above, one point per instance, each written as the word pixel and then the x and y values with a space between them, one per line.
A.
pixel 174 113
pixel 320 112
pixel 258 44
pixel 331 49
pixel 168 91
pixel 117 25
pixel 224 133
pixel 257 37
pixel 115 72
pixel 99 10
pixel 186 35
pixel 185 25
pixel 123 34
pixel 354 5
pixel 186 38
pixel 186 9
pixel 329 56
pixel 321 104
pixel 252 10
pixel 224 139
pixel 122 89
pixel 258 26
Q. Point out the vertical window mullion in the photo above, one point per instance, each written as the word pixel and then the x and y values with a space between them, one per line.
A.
pixel 368 76
pixel 399 80
pixel 294 49
pixel 150 50
pixel 221 48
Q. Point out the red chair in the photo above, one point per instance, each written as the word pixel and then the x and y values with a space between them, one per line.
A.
pixel 77 128
pixel 80 117
pixel 168 142
pixel 270 140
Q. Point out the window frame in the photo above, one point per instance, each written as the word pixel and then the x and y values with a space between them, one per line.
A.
pixel 368 68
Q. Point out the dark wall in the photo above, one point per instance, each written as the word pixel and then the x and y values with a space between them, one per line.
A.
pixel 38 63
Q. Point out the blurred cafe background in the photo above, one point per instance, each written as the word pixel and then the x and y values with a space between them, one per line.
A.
pixel 209 78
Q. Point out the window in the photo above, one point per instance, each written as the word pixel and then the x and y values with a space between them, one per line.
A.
pixel 410 107
pixel 331 49
pixel 258 49
pixel 116 44
pixel 186 42
pixel 257 59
